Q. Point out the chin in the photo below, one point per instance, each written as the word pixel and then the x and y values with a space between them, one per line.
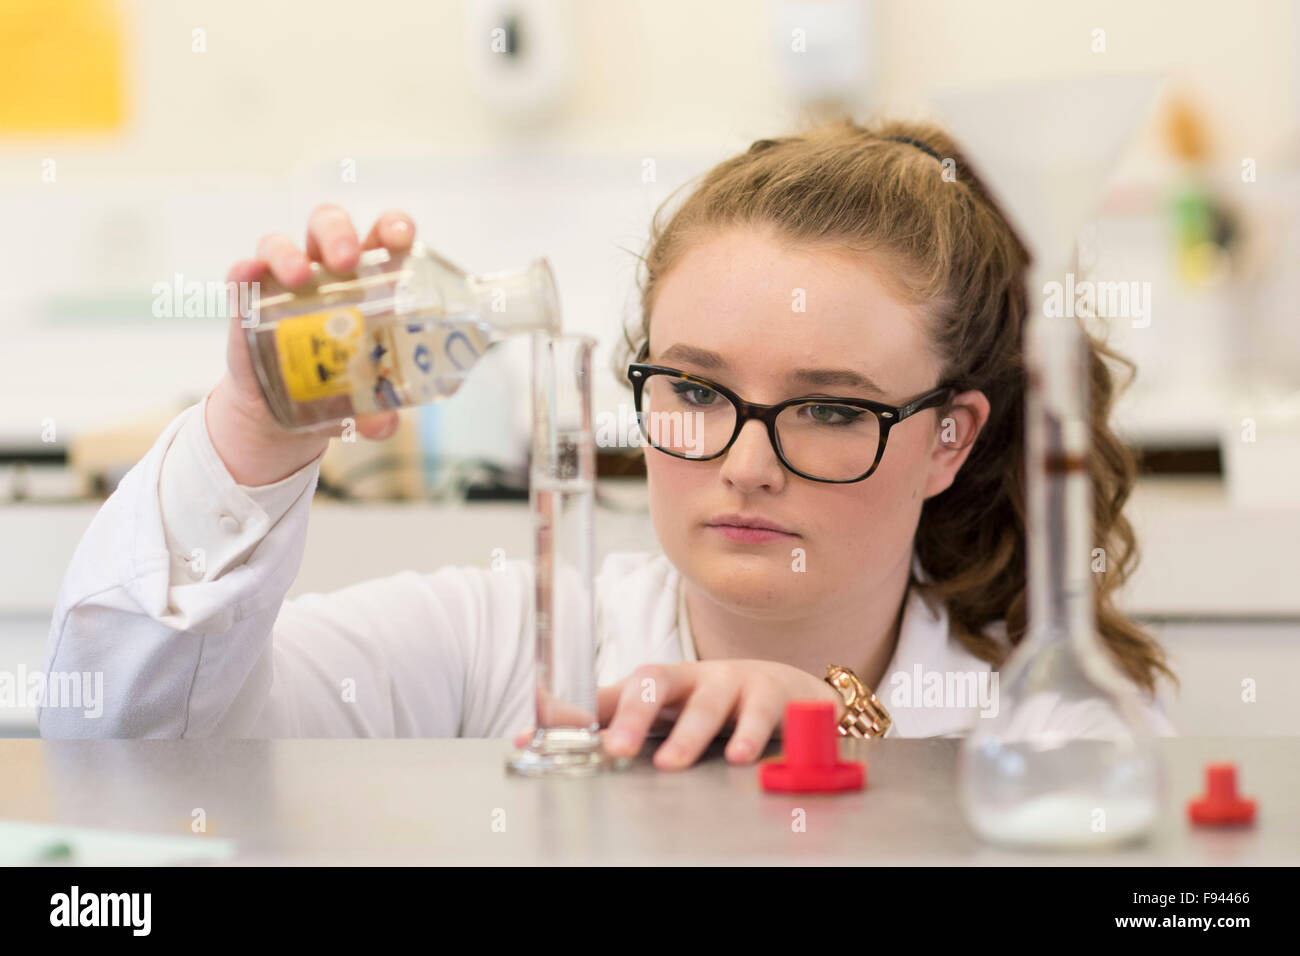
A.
pixel 744 578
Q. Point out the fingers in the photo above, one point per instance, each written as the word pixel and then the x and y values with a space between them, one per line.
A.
pixel 702 702
pixel 761 709
pixel 288 265
pixel 711 700
pixel 606 705
pixel 393 230
pixel 331 240
pixel 378 426
pixel 557 713
pixel 607 702
pixel 245 270
pixel 701 720
pixel 648 689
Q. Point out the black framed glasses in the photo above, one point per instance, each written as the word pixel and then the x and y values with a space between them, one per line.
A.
pixel 836 440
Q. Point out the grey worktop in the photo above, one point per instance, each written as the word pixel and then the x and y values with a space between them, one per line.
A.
pixel 436 801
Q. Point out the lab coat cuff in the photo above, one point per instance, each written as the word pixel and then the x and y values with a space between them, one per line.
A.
pixel 211 521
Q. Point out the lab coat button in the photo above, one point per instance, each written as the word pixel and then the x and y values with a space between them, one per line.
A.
pixel 228 524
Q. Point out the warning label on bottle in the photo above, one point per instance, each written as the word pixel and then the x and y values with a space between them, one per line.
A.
pixel 314 352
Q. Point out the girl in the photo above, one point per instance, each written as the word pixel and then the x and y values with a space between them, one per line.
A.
pixel 877 525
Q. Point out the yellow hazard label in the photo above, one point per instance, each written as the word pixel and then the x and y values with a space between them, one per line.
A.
pixel 314 351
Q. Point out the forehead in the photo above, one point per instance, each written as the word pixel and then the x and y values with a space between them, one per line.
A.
pixel 768 307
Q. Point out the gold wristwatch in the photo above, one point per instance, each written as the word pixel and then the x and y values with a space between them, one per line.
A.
pixel 865 716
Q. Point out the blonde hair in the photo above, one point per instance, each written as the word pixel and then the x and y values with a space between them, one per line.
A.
pixel 945 246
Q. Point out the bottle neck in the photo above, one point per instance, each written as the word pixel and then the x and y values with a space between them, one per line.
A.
pixel 522 300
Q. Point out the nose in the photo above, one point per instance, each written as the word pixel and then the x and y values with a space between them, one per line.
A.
pixel 751 462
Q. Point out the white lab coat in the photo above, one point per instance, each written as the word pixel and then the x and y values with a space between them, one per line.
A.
pixel 176 593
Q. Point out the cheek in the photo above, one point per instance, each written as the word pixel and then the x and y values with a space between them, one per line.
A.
pixel 905 467
pixel 876 517
pixel 674 486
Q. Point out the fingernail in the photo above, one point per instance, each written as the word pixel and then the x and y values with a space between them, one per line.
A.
pixel 618 740
pixel 344 248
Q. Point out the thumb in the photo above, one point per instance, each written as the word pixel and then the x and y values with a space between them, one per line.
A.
pixel 378 426
pixel 607 702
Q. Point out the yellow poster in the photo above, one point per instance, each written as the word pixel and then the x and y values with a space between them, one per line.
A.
pixel 61 66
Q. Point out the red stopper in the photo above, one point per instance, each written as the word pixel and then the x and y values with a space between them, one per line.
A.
pixel 1221 805
pixel 810 761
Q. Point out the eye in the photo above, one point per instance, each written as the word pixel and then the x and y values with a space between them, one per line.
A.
pixel 694 394
pixel 833 415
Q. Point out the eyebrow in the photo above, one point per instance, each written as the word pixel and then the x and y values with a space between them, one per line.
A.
pixel 840 377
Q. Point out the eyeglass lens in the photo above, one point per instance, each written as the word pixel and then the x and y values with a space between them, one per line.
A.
pixel 821 439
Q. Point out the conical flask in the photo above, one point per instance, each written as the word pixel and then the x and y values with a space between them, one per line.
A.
pixel 403 329
pixel 1070 759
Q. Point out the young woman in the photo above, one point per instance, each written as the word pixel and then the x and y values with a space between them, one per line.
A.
pixel 839 267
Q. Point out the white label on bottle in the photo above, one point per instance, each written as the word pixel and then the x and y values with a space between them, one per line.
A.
pixel 340 325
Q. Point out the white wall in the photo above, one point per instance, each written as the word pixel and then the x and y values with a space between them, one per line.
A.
pixel 224 145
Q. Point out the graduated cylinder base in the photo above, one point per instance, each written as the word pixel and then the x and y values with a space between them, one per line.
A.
pixel 564 752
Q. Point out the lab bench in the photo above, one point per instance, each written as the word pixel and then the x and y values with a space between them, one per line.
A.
pixel 427 801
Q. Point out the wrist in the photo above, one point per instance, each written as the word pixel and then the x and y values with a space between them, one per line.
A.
pixel 255 450
pixel 828 692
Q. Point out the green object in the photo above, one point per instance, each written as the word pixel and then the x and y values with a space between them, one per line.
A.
pixel 59 850
pixel 26 844
pixel 1193 213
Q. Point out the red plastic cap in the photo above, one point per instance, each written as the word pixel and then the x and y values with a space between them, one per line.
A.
pixel 1221 805
pixel 810 761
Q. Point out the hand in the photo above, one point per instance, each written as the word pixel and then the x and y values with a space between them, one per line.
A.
pixel 700 698
pixel 253 446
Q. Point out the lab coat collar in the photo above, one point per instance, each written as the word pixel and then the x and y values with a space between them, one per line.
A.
pixel 933 686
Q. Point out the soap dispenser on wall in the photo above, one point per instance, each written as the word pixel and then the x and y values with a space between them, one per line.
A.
pixel 522 56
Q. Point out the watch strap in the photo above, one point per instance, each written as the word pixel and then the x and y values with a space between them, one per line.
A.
pixel 865 715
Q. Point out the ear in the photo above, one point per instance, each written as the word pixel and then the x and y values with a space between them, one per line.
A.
pixel 958 428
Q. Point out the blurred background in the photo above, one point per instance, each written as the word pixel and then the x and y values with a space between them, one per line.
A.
pixel 149 144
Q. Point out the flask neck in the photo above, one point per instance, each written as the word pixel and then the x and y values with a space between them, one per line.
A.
pixel 1060 547
pixel 1061 559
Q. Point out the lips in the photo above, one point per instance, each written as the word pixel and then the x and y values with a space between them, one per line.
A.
pixel 749 523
